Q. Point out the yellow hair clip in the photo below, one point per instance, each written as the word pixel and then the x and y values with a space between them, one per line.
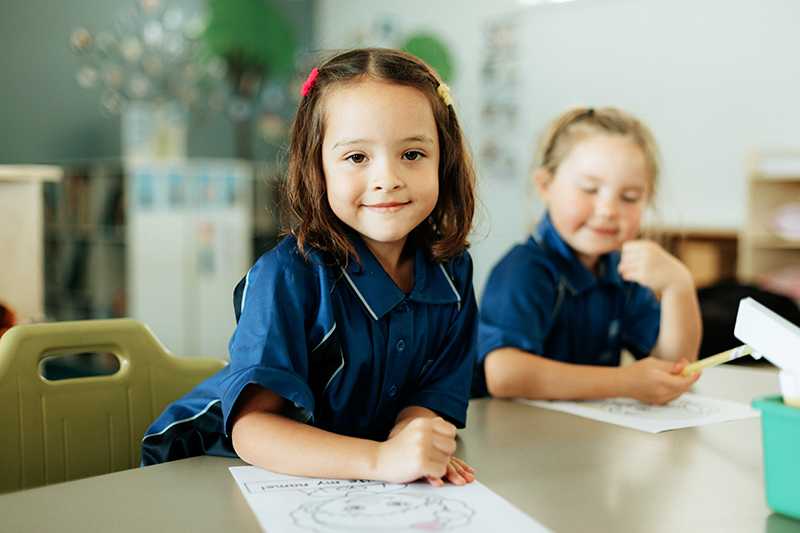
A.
pixel 444 93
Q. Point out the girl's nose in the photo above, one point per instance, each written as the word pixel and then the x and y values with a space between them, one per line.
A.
pixel 606 207
pixel 386 178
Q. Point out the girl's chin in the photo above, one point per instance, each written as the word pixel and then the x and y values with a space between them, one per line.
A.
pixel 597 246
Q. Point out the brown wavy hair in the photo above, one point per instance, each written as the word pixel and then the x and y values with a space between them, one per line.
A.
pixel 7 319
pixel 307 213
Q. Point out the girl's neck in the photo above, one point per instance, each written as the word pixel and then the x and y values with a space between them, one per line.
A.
pixel 590 262
pixel 398 264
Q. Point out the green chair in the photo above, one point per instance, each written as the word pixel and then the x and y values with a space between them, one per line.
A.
pixel 53 431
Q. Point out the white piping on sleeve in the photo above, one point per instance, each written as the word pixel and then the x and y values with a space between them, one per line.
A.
pixel 244 292
pixel 201 413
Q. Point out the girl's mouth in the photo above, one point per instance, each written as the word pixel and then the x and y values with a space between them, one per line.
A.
pixel 608 232
pixel 387 207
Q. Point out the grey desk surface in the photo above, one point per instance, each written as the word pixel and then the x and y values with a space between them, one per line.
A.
pixel 570 473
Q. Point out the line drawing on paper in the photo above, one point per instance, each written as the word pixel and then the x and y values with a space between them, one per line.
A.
pixel 312 505
pixel 382 509
pixel 678 409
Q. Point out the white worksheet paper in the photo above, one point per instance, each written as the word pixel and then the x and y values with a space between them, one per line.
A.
pixel 688 410
pixel 288 504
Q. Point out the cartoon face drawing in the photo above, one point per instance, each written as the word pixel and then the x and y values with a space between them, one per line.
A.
pixel 362 511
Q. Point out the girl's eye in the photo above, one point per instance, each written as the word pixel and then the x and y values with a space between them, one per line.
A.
pixel 589 189
pixel 631 198
pixel 413 155
pixel 357 158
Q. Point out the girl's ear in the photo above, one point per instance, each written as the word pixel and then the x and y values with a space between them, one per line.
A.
pixel 541 180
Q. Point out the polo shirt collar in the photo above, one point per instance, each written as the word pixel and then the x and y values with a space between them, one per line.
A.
pixel 578 277
pixel 378 292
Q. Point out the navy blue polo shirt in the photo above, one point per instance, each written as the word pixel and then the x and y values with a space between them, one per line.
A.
pixel 344 346
pixel 541 299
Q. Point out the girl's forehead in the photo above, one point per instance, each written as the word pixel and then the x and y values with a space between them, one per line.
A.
pixel 370 108
pixel 608 157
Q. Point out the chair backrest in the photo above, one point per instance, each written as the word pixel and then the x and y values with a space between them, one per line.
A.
pixel 54 431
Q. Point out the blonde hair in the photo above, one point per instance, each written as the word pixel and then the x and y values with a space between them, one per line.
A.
pixel 579 123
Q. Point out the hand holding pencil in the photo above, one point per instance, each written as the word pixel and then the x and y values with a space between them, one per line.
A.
pixel 717 359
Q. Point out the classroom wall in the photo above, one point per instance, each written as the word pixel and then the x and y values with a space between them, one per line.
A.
pixel 713 79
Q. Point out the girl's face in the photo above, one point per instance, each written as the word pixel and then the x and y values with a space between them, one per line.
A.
pixel 380 156
pixel 598 195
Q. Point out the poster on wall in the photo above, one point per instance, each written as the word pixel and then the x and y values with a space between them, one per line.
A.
pixel 500 88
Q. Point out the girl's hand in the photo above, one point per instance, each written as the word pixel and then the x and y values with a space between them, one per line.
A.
pixel 422 448
pixel 458 473
pixel 655 381
pixel 648 264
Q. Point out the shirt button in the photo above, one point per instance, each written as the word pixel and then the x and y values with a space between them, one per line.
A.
pixel 393 391
pixel 401 345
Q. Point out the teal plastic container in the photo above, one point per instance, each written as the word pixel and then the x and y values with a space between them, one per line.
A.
pixel 780 428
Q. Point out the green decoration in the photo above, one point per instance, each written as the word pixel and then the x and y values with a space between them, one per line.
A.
pixel 434 52
pixel 252 34
pixel 256 42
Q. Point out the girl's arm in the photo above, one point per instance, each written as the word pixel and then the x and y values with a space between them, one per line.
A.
pixel 681 326
pixel 646 263
pixel 513 373
pixel 263 437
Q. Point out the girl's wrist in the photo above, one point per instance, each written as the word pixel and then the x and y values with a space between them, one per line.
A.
pixel 682 280
pixel 372 466
pixel 621 382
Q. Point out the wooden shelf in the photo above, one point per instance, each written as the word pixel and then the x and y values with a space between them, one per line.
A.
pixel 774 182
pixel 767 178
pixel 708 253
pixel 30 173
pixel 761 240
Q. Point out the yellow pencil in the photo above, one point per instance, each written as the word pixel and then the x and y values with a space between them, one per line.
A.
pixel 718 359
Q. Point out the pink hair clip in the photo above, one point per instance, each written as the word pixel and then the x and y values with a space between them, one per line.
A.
pixel 309 83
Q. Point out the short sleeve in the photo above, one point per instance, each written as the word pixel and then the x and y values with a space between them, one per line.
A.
pixel 641 320
pixel 269 347
pixel 446 386
pixel 518 304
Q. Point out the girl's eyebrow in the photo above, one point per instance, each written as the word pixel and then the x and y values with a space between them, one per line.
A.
pixel 418 138
pixel 414 138
pixel 348 142
pixel 627 187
